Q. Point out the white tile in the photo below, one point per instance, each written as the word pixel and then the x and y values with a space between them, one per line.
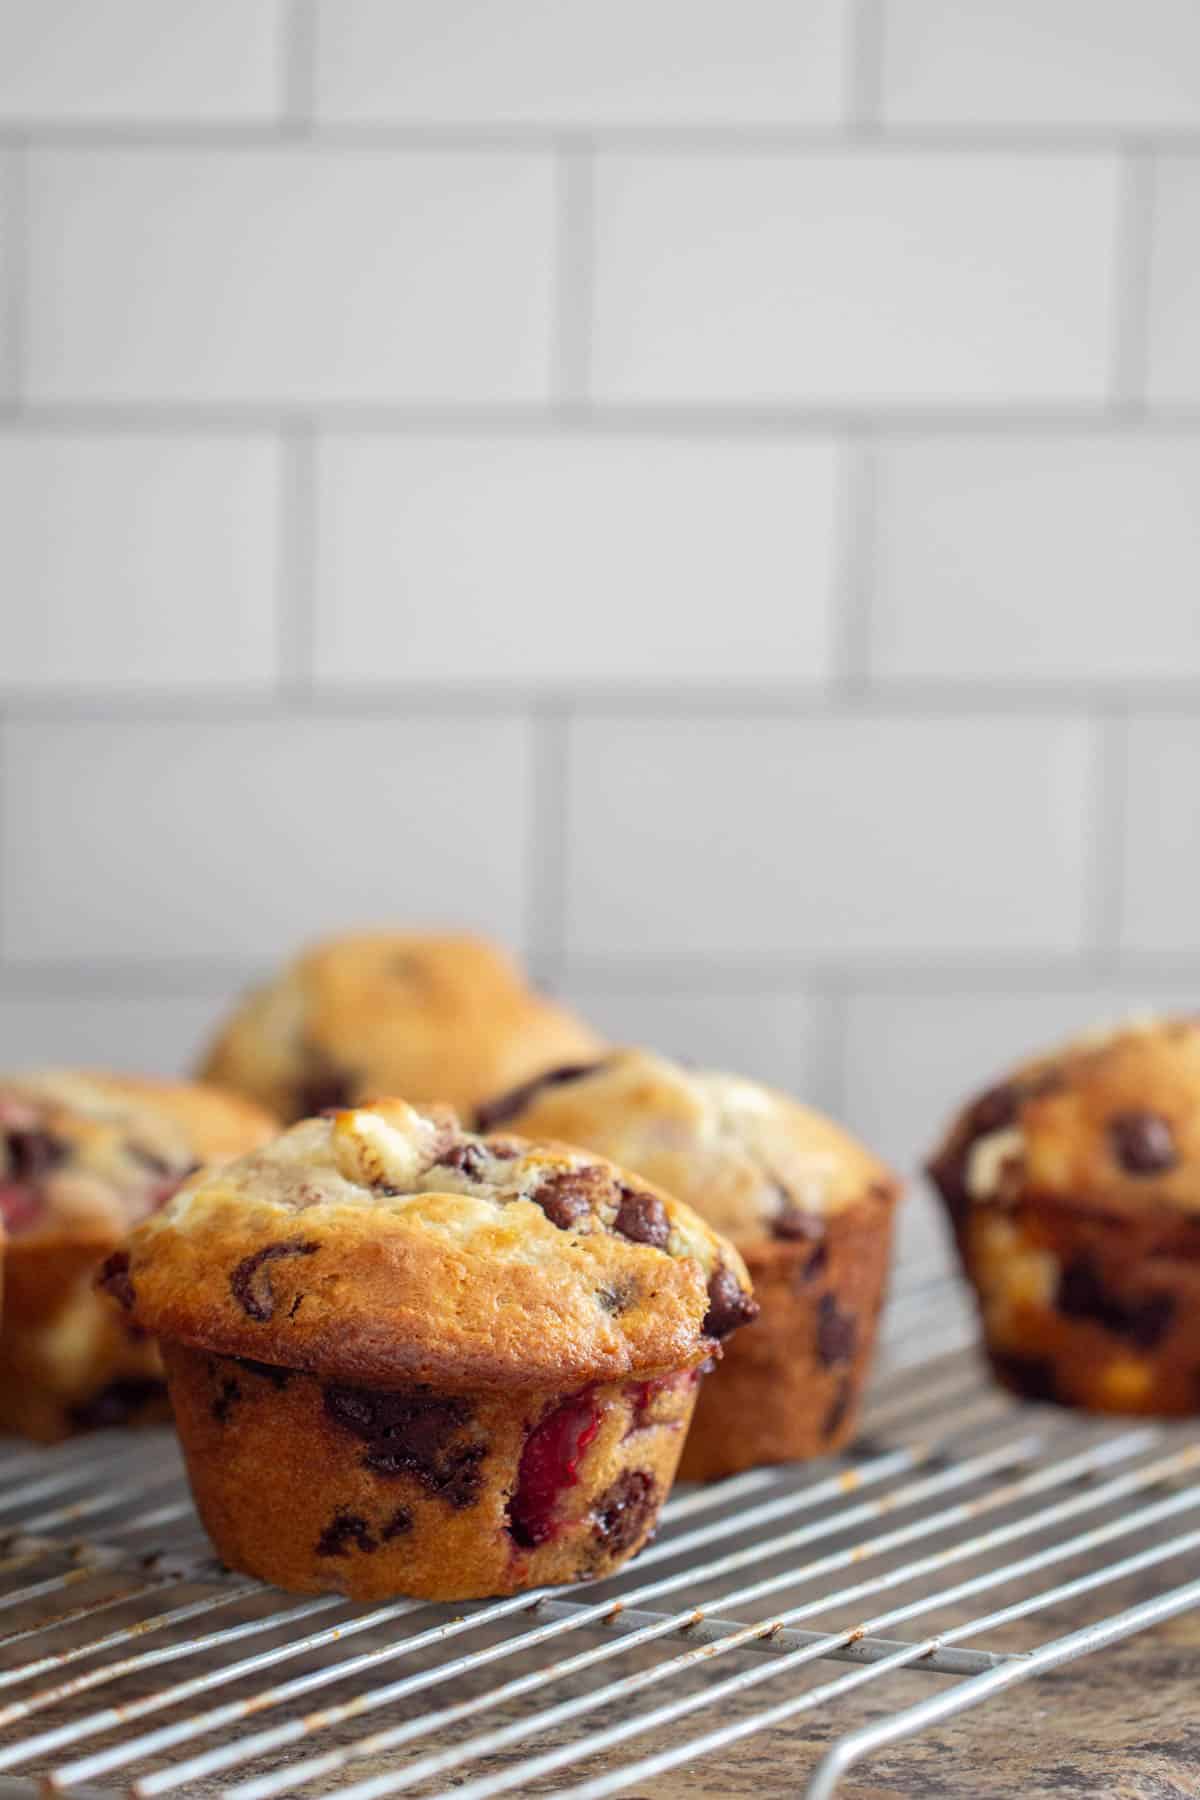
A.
pixel 854 277
pixel 574 559
pixel 1022 559
pixel 779 1036
pixel 1174 324
pixel 244 837
pixel 1161 877
pixel 140 560
pixel 831 837
pixel 913 1058
pixel 658 62
pixel 88 60
pixel 290 274
pixel 1042 62
pixel 156 1034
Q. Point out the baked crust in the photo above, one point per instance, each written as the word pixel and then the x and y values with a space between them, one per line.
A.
pixel 384 1245
pixel 83 1155
pixel 434 1017
pixel 1073 1187
pixel 808 1207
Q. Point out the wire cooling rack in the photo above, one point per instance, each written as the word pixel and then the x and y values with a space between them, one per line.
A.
pixel 948 1543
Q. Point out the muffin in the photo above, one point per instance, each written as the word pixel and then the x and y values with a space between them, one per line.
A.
pixel 809 1209
pixel 404 1359
pixel 1073 1188
pixel 82 1158
pixel 435 1018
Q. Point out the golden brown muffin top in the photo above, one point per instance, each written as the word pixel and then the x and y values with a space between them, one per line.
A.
pixel 86 1152
pixel 385 1244
pixel 753 1162
pixel 433 1017
pixel 1111 1120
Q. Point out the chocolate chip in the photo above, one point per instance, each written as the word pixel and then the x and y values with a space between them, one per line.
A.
pixel 837 1332
pixel 323 1088
pixel 1030 1376
pixel 1143 1142
pixel 1083 1294
pixel 250 1282
pixel 343 1530
pixel 568 1196
pixel 623 1512
pixel 413 1432
pixel 835 1417
pixel 399 1525
pixel 507 1106
pixel 995 1109
pixel 32 1154
pixel 115 1279
pixel 468 1159
pixel 793 1224
pixel 617 1297
pixel 816 1264
pixel 728 1306
pixel 642 1218
pixel 228 1395
pixel 120 1403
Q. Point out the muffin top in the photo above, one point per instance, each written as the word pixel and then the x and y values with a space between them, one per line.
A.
pixel 755 1163
pixel 435 1018
pixel 1111 1122
pixel 383 1244
pixel 85 1153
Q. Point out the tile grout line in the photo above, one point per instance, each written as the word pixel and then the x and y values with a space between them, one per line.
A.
pixel 575 256
pixel 297 50
pixel 864 83
pixel 14 280
pixel 295 582
pixel 1132 262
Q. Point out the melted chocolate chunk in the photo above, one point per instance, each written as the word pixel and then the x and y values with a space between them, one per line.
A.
pixel 413 1432
pixel 1030 1376
pixel 120 1403
pixel 32 1154
pixel 469 1160
pixel 250 1282
pixel 642 1218
pixel 567 1197
pixel 728 1306
pixel 344 1531
pixel 837 1332
pixel 1143 1142
pixel 507 1106
pixel 115 1279
pixel 623 1511
pixel 1082 1294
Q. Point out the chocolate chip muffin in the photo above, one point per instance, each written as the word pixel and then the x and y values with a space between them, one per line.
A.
pixel 809 1209
pixel 1073 1187
pixel 434 1018
pixel 82 1158
pixel 404 1359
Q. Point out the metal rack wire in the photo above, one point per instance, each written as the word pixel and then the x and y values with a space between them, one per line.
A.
pixel 130 1661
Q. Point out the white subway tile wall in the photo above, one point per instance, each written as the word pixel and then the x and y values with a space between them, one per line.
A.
pixel 707 493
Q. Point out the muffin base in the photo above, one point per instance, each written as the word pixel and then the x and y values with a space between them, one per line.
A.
pixel 1086 1308
pixel 789 1386
pixel 318 1486
pixel 68 1362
